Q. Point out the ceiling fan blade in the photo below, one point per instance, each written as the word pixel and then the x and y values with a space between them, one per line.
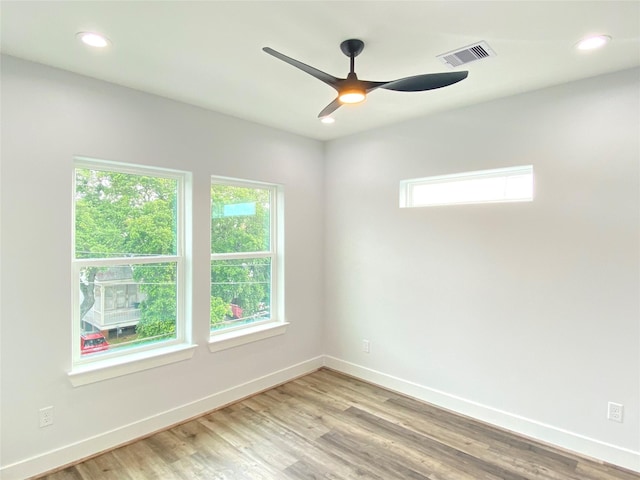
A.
pixel 370 86
pixel 428 81
pixel 329 109
pixel 314 72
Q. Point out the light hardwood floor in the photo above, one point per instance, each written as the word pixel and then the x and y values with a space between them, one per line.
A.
pixel 330 426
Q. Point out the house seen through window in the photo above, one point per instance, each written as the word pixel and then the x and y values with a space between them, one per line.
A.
pixel 128 260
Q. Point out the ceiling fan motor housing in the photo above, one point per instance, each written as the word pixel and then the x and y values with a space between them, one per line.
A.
pixel 352 47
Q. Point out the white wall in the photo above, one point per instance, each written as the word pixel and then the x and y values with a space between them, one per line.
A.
pixel 526 314
pixel 48 116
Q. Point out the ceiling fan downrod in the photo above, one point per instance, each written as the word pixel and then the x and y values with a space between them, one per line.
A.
pixel 352 48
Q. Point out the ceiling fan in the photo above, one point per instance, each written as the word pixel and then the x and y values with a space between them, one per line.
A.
pixel 354 90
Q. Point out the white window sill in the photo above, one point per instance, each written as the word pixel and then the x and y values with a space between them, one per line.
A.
pixel 235 338
pixel 116 367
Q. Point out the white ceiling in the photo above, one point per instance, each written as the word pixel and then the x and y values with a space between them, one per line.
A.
pixel 209 53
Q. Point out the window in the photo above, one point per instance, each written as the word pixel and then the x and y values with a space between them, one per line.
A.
pixel 514 184
pixel 128 261
pixel 244 256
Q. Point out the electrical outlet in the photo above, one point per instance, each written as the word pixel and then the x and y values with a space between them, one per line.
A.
pixel 615 412
pixel 46 416
pixel 366 346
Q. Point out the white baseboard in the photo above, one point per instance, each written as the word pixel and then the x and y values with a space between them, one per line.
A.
pixel 546 433
pixel 563 439
pixel 90 446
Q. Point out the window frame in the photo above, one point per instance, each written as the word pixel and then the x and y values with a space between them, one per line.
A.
pixel 275 325
pixel 88 369
pixel 407 187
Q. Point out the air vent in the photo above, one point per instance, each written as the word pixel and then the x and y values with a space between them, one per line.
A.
pixel 468 54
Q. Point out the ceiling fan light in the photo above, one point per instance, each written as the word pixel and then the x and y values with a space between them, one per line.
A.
pixel 352 96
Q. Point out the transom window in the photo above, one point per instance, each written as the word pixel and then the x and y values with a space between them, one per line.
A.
pixel 128 261
pixel 513 184
pixel 243 254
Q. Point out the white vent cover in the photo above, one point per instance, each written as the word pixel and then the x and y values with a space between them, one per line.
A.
pixel 468 54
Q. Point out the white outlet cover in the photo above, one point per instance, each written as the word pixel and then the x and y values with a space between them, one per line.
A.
pixel 615 412
pixel 46 416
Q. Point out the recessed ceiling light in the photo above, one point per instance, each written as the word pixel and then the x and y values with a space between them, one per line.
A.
pixel 591 43
pixel 93 39
pixel 327 120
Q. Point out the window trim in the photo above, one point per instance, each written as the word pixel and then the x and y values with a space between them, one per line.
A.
pixel 251 333
pixel 132 363
pixel 407 187
pixel 276 325
pixel 93 369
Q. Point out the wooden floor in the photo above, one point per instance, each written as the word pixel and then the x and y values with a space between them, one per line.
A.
pixel 330 426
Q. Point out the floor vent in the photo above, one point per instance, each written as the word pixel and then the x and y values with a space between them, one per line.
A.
pixel 468 54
